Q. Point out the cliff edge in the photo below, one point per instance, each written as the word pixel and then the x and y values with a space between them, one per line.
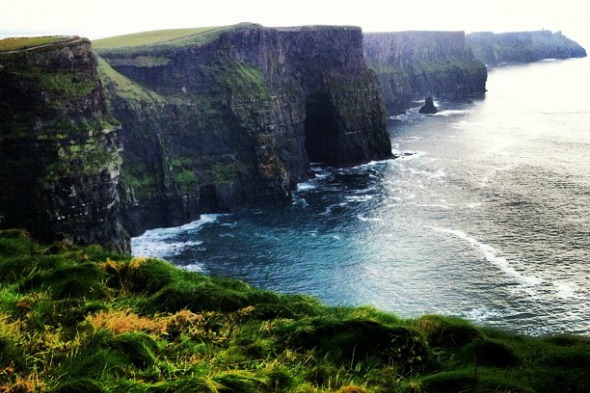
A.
pixel 412 65
pixel 226 117
pixel 522 47
pixel 59 148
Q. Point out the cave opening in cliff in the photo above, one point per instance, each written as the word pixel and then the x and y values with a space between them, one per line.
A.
pixel 321 130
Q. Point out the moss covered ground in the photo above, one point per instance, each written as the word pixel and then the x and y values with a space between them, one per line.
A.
pixel 83 320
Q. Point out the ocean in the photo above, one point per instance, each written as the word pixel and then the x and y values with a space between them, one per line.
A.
pixel 485 216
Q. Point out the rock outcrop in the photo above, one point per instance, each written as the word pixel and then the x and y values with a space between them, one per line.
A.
pixel 428 107
pixel 412 65
pixel 233 116
pixel 522 47
pixel 59 147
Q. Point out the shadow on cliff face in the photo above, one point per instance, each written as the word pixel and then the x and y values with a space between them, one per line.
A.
pixel 321 130
pixel 209 200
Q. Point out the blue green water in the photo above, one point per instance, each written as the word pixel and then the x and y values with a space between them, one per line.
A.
pixel 487 217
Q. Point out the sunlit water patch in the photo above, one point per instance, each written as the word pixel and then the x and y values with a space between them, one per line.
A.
pixel 485 215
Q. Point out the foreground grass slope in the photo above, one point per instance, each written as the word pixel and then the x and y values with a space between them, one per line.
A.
pixel 82 320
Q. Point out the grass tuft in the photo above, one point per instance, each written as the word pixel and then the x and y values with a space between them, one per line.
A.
pixel 448 332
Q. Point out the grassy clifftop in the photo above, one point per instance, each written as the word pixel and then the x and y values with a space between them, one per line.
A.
pixel 159 39
pixel 81 320
pixel 20 43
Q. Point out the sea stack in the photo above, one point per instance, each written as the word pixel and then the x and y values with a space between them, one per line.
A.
pixel 428 107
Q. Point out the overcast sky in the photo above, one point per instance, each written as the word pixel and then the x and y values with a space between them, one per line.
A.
pixel 102 18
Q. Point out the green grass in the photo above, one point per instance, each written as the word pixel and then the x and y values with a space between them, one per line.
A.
pixel 149 38
pixel 243 80
pixel 66 84
pixel 123 86
pixel 17 43
pixel 84 320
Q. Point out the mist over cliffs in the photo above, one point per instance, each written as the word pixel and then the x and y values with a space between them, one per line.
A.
pixel 522 47
pixel 415 64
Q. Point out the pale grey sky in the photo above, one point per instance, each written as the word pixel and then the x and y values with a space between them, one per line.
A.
pixel 101 18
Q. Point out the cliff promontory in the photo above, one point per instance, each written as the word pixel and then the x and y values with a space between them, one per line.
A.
pixel 226 117
pixel 522 47
pixel 162 129
pixel 59 148
pixel 412 65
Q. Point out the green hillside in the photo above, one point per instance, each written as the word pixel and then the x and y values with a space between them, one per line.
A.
pixel 82 320
pixel 17 43
pixel 173 37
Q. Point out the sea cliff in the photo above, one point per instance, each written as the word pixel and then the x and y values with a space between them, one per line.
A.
pixel 522 47
pixel 59 147
pixel 233 116
pixel 412 65
pixel 165 126
pixel 156 132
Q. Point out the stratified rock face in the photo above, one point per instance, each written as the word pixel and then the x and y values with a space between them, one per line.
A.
pixel 522 47
pixel 412 65
pixel 59 149
pixel 235 117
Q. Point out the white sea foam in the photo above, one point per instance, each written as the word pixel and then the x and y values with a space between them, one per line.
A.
pixel 299 201
pixel 483 314
pixel 368 219
pixel 451 112
pixel 194 267
pixel 401 117
pixel 412 155
pixel 434 205
pixel 160 242
pixel 329 209
pixel 161 249
pixel 359 198
pixel 566 289
pixel 492 256
pixel 306 186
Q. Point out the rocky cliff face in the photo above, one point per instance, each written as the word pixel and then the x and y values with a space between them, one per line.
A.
pixel 522 47
pixel 59 148
pixel 413 65
pixel 235 117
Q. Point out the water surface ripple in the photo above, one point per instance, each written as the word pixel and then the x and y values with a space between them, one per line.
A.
pixel 488 219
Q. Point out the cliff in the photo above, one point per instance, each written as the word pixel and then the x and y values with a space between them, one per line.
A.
pixel 522 47
pixel 228 117
pixel 415 64
pixel 59 148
